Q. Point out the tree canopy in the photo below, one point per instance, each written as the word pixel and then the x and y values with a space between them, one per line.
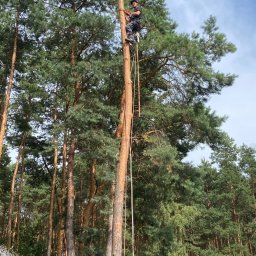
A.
pixel 56 194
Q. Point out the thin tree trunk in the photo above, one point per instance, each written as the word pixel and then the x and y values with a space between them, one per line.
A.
pixel 93 189
pixel 125 144
pixel 51 210
pixel 9 87
pixel 61 227
pixel 71 194
pixel 86 211
pixel 15 172
pixel 110 222
pixel 70 203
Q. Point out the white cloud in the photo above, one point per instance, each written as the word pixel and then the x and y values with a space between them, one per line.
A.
pixel 237 20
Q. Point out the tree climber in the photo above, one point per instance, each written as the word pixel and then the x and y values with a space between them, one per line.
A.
pixel 133 25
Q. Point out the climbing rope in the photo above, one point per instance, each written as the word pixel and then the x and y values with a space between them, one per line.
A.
pixel 136 78
pixel 138 70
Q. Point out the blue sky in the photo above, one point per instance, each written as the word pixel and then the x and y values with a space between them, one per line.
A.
pixel 236 19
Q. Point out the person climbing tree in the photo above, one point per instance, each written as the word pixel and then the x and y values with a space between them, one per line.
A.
pixel 134 18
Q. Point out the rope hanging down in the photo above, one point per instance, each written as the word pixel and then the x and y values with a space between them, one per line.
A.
pixel 136 78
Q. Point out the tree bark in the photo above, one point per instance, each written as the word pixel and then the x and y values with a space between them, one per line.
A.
pixel 9 87
pixel 61 227
pixel 70 203
pixel 51 210
pixel 92 193
pixel 71 194
pixel 125 144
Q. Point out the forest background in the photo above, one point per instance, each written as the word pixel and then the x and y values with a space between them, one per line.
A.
pixel 63 62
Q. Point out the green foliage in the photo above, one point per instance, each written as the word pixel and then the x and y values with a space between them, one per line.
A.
pixel 68 83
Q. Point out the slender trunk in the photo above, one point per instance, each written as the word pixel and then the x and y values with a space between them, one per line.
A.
pixel 110 223
pixel 20 198
pixel 15 172
pixel 61 227
pixel 125 144
pixel 70 240
pixel 51 210
pixel 93 189
pixel 86 212
pixel 70 202
pixel 9 87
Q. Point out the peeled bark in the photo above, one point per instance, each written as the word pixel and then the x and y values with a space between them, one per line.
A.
pixel 125 144
pixel 9 87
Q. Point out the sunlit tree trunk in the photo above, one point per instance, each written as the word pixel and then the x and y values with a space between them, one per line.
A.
pixel 9 87
pixel 125 144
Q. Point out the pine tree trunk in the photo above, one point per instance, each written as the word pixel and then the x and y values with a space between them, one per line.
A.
pixel 86 212
pixel 125 144
pixel 70 203
pixel 110 223
pixel 15 172
pixel 61 227
pixel 93 189
pixel 71 196
pixel 51 210
pixel 9 87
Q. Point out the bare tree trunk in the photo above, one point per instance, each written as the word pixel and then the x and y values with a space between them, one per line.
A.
pixel 70 203
pixel 93 189
pixel 9 87
pixel 61 227
pixel 110 223
pixel 125 144
pixel 71 194
pixel 86 211
pixel 51 210
pixel 15 172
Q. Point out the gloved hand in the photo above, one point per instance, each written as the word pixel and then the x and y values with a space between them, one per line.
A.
pixel 127 12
